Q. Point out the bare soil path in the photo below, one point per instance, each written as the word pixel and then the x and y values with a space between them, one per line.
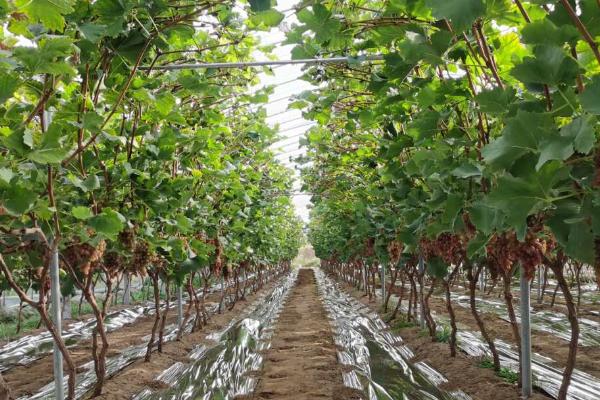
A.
pixel 302 363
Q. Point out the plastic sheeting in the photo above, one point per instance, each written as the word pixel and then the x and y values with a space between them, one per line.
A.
pixel 547 375
pixel 87 377
pixel 32 347
pixel 546 321
pixel 29 348
pixel 220 370
pixel 380 365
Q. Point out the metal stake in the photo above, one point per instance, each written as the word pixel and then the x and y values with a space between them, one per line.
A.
pixel 59 392
pixel 539 286
pixel 127 290
pixel 179 306
pixel 482 281
pixel 526 389
pixel 422 301
pixel 383 284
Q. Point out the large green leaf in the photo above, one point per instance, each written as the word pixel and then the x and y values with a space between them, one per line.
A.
pixel 495 101
pixel 590 98
pixel 260 5
pixel 50 155
pixel 8 84
pixel 437 268
pixel 581 131
pixel 48 12
pixel 108 223
pixel 580 243
pixel 268 18
pixel 550 65
pixel 19 199
pixel 462 13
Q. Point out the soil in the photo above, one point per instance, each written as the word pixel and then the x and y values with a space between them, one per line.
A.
pixel 27 380
pixel 302 362
pixel 141 375
pixel 544 343
pixel 463 373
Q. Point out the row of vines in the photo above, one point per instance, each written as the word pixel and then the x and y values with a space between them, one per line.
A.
pixel 122 169
pixel 473 144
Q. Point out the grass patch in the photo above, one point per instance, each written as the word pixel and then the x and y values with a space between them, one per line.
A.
pixel 443 333
pixel 8 324
pixel 400 323
pixel 504 373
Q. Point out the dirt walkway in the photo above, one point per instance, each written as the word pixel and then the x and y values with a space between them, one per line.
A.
pixel 302 362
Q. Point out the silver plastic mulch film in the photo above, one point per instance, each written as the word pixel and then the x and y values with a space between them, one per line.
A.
pixel 220 370
pixel 29 348
pixel 547 374
pixel 546 321
pixel 380 365
pixel 87 378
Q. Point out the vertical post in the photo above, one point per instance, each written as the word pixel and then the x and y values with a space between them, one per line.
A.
pixel 383 284
pixel 59 392
pixel 127 290
pixel 526 390
pixel 482 280
pixel 66 308
pixel 539 285
pixel 422 302
pixel 179 306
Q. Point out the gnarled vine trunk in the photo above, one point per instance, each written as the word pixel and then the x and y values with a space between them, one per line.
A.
pixel 557 268
pixel 473 277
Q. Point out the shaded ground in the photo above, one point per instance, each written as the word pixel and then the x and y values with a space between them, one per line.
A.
pixel 27 380
pixel 462 372
pixel 302 362
pixel 544 343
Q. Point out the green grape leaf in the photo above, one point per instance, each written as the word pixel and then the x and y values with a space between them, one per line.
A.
pixel 462 13
pixel 545 32
pixel 50 155
pixel 260 5
pixel 581 131
pixel 19 200
pixel 268 18
pixel 550 65
pixel 495 101
pixel 590 98
pixel 436 267
pixel 92 32
pixel 108 223
pixel 48 12
pixel 580 244
pixel 82 212
pixel 8 85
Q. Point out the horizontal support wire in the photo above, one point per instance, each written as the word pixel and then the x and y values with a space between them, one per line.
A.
pixel 246 64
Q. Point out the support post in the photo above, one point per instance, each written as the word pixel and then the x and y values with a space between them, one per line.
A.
pixel 422 301
pixel 383 284
pixel 66 308
pixel 127 290
pixel 526 379
pixel 482 280
pixel 539 285
pixel 179 306
pixel 59 391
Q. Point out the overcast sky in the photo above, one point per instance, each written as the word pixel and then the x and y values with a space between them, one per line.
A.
pixel 292 125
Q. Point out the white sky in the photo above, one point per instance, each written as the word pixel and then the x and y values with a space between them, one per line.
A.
pixel 292 125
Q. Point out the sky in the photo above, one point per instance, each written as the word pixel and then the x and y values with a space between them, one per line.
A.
pixel 292 125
